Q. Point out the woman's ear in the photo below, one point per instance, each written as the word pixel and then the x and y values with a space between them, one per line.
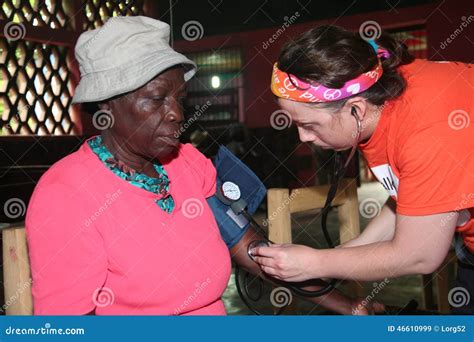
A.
pixel 358 105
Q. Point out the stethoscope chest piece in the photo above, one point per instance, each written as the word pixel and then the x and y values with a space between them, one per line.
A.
pixel 254 244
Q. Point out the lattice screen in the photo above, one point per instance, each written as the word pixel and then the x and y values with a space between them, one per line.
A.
pixel 97 12
pixel 36 12
pixel 35 80
pixel 35 88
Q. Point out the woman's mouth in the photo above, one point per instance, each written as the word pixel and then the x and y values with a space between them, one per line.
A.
pixel 171 141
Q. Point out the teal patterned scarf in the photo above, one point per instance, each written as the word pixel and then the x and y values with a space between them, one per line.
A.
pixel 158 185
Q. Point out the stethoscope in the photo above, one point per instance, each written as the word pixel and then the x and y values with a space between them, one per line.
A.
pixel 230 195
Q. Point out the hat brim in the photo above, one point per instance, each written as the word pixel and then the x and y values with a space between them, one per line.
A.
pixel 103 85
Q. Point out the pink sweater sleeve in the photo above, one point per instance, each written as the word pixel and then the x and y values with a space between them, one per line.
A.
pixel 67 256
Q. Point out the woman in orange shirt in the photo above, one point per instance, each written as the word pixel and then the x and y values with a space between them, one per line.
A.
pixel 411 121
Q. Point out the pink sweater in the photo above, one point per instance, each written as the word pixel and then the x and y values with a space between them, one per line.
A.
pixel 98 242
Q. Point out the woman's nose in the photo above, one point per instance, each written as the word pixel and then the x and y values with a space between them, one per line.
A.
pixel 175 112
pixel 305 136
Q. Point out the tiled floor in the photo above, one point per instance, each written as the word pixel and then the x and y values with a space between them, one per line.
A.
pixel 306 230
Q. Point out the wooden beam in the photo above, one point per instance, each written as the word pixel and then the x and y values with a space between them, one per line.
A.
pixel 16 272
pixel 279 216
pixel 313 197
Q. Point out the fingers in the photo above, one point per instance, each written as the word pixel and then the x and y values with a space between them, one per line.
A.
pixel 262 261
pixel 268 252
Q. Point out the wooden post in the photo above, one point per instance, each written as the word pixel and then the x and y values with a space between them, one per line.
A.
pixel 348 212
pixel 349 226
pixel 279 225
pixel 279 216
pixel 16 272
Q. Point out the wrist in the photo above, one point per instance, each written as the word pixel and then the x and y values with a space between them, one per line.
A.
pixel 315 264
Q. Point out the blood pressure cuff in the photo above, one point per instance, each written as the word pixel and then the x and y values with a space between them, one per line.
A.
pixel 230 168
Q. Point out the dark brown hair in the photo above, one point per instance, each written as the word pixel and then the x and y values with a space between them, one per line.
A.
pixel 331 56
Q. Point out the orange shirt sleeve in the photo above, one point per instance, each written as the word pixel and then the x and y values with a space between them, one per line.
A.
pixel 436 166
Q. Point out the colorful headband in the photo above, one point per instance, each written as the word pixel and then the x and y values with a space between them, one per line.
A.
pixel 290 87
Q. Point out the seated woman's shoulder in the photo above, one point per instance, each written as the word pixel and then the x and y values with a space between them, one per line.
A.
pixel 68 171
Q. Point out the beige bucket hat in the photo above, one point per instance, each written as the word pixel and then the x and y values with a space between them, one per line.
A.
pixel 123 55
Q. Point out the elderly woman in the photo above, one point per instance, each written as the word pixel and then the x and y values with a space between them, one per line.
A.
pixel 122 226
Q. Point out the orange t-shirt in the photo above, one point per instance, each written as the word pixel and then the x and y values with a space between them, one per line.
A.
pixel 422 150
